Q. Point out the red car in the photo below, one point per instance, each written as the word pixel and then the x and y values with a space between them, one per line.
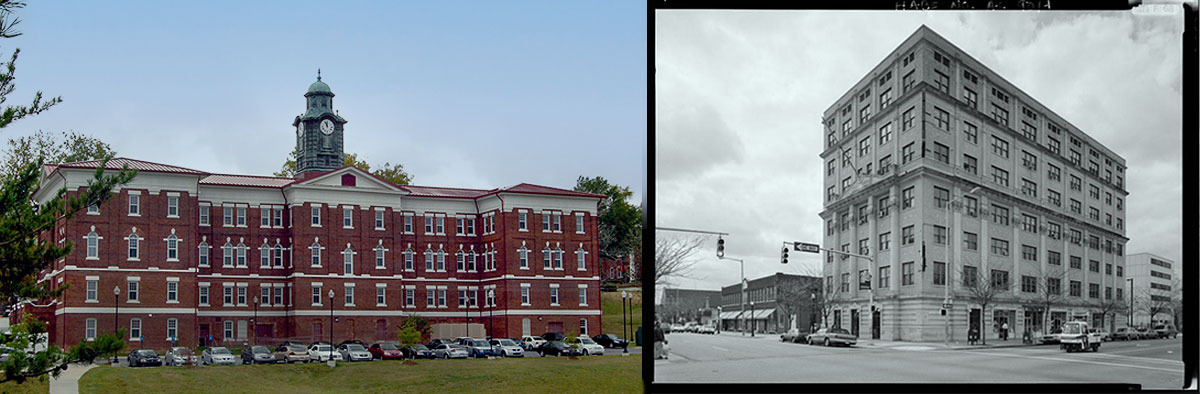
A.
pixel 385 351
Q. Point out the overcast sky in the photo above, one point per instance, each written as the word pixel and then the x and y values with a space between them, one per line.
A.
pixel 739 98
pixel 477 95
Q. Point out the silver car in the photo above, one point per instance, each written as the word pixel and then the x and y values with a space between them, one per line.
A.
pixel 178 356
pixel 507 348
pixel 217 355
pixel 450 350
pixel 354 352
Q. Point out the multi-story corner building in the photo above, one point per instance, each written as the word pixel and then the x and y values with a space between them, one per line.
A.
pixel 946 174
pixel 186 256
pixel 1155 280
pixel 688 305
pixel 760 305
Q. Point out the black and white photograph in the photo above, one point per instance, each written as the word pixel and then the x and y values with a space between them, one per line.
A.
pixel 939 197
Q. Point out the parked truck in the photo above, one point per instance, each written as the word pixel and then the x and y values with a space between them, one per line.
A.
pixel 1076 337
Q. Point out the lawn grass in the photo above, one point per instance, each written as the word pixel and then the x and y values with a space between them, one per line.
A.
pixel 610 304
pixel 30 386
pixel 592 374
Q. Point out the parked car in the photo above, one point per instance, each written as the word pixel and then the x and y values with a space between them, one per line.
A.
pixel 1104 334
pixel 354 341
pixel 832 336
pixel 143 357
pixel 217 355
pixel 706 330
pixel 532 342
pixel 436 342
pixel 385 351
pixel 291 353
pixel 354 352
pixel 793 335
pixel 553 336
pixel 506 348
pixel 1145 333
pixel 178 356
pixel 610 341
pixel 292 343
pixel 588 346
pixel 1165 331
pixel 557 348
pixel 1124 334
pixel 257 355
pixel 416 351
pixel 1052 336
pixel 518 342
pixel 450 350
pixel 320 352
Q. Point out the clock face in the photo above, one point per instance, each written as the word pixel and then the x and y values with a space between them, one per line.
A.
pixel 327 126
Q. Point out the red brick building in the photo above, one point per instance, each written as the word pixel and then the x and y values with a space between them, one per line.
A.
pixel 180 254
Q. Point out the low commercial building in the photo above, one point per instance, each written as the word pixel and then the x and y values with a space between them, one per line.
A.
pixel 1154 282
pixel 770 304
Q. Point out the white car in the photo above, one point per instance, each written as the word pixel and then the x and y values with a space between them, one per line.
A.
pixel 507 348
pixel 217 355
pixel 532 342
pixel 707 330
pixel 320 352
pixel 354 352
pixel 590 347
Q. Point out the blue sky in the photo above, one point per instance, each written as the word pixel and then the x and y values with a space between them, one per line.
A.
pixel 477 96
pixel 740 94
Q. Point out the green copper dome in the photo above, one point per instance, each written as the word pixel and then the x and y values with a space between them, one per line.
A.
pixel 318 86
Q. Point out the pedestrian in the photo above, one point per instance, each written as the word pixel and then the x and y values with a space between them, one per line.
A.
pixel 1004 331
pixel 973 335
pixel 659 341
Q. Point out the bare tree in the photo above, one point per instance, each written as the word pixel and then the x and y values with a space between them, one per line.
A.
pixel 672 257
pixel 980 289
pixel 1049 292
pixel 1155 301
pixel 794 293
pixel 1109 307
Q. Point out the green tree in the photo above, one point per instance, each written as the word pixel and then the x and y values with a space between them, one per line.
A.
pixel 71 148
pixel 620 221
pixel 392 173
pixel 23 250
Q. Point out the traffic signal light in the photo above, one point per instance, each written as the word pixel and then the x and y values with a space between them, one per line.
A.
pixel 943 312
pixel 720 248
pixel 785 255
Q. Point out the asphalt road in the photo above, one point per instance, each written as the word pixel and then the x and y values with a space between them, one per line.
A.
pixel 698 358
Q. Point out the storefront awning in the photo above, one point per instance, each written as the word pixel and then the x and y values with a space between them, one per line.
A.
pixel 763 313
pixel 730 315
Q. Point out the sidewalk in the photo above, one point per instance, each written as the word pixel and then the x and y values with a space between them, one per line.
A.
pixel 953 345
pixel 68 381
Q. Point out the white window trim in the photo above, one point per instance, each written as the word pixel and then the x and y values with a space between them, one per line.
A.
pixel 169 205
pixel 579 224
pixel 526 292
pixel 384 287
pixel 583 300
pixel 131 204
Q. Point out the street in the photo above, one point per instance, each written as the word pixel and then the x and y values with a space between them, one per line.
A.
pixel 730 357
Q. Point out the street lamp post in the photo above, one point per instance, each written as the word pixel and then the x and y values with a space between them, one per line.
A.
pixel 116 318
pixel 254 323
pixel 626 296
pixel 331 326
pixel 1130 302
pixel 753 323
pixel 811 311
pixel 950 262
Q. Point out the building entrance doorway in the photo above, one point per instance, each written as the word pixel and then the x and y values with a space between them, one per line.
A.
pixel 204 335
pixel 974 319
pixel 876 317
pixel 854 322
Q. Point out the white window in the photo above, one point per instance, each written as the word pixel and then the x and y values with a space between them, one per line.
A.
pixel 581 258
pixel 471 262
pixel 553 295
pixel 546 257
pixel 582 295
pixel 133 246
pixel 264 255
pixel 278 254
pixel 204 294
pixel 229 329
pixel 441 225
pixel 410 297
pixel 133 204
pixel 135 329
pixel 578 224
pixel 428 259
pixel 264 295
pixel 278 222
pixel 133 291
pixel 441 260
pixel 172 328
pixel 172 291
pixel 408 219
pixel 348 260
pixel 278 296
pixel 462 297
pixel 228 295
pixel 204 215
pixel 474 297
pixel 470 226
pixel 241 295
pixel 349 295
pixel 241 216
pixel 583 327
pixel 380 299
pixel 264 217
pixel 228 216
pixel 316 294
pixel 172 206
pixel 316 253
pixel 227 253
pixel 91 290
pixel 379 261
pixel 93 210
pixel 428 224
pixel 204 248
pixel 89 330
pixel 241 255
pixel 557 223
pixel 379 220
pixel 408 258
pixel 172 248
pixel 558 258
pixel 546 222
pixel 524 253
pixel 316 216
pixel 431 296
pixel 442 297
pixel 522 222
pixel 491 296
pixel 348 217
pixel 524 294
pixel 460 258
pixel 93 245
pixel 458 226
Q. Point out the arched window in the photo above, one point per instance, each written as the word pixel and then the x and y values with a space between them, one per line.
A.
pixel 348 260
pixel 278 254
pixel 264 252
pixel 241 254
pixel 172 247
pixel 204 248
pixel 133 245
pixel 316 253
pixel 93 246
pixel 227 254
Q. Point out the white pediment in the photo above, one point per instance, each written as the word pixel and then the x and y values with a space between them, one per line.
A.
pixel 351 177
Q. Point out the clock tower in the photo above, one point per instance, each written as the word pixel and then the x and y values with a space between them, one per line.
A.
pixel 318 132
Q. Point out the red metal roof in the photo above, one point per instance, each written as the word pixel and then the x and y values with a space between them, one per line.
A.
pixel 538 189
pixel 246 180
pixel 117 162
pixel 451 192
